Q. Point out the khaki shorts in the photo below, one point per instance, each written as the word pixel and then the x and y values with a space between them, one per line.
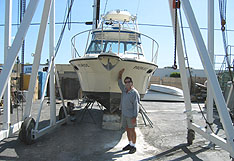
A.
pixel 127 122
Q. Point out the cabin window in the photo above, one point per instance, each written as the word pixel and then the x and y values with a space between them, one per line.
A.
pixel 133 48
pixel 95 47
pixel 112 47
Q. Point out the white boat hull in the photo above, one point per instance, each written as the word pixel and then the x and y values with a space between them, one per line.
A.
pixel 163 93
pixel 99 77
pixel 158 96
pixel 166 89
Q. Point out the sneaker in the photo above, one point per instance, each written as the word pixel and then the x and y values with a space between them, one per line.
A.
pixel 132 150
pixel 128 147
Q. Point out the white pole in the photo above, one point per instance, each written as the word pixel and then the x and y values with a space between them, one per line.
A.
pixel 7 44
pixel 181 59
pixel 210 73
pixel 211 52
pixel 37 58
pixel 52 76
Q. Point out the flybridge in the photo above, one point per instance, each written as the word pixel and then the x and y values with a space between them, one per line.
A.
pixel 118 19
pixel 117 33
pixel 118 15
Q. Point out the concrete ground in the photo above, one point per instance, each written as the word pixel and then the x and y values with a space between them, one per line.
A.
pixel 84 140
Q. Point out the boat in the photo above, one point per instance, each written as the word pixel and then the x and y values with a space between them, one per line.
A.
pixel 165 93
pixel 166 89
pixel 115 44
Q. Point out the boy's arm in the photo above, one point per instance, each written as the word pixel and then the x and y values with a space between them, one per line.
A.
pixel 120 83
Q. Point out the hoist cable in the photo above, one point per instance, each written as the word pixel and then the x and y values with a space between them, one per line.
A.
pixel 185 50
pixel 63 28
pixel 138 5
pixel 105 7
pixel 69 17
pixel 222 9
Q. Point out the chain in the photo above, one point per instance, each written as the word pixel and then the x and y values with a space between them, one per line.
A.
pixel 175 45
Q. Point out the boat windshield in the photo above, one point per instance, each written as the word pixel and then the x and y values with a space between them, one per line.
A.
pixel 96 47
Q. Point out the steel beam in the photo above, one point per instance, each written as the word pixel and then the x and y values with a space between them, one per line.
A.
pixel 43 96
pixel 7 44
pixel 52 75
pixel 212 137
pixel 211 53
pixel 46 130
pixel 37 57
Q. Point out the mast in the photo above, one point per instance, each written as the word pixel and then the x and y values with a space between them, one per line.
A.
pixel 96 13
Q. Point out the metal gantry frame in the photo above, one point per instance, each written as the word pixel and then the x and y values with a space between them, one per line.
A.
pixel 214 91
pixel 11 51
pixel 10 54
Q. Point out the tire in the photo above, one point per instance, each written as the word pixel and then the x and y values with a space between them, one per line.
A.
pixel 190 136
pixel 25 134
pixel 62 113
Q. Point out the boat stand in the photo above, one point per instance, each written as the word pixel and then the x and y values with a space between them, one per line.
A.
pixel 144 116
pixel 87 108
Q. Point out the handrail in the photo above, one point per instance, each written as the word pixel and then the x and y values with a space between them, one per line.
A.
pixel 73 39
pixel 154 53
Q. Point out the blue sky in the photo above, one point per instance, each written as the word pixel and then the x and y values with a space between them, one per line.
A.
pixel 150 12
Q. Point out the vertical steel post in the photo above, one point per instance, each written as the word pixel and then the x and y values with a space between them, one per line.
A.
pixel 211 52
pixel 7 44
pixel 52 75
pixel 181 59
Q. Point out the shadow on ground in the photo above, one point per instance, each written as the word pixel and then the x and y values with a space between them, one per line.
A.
pixel 74 141
pixel 188 151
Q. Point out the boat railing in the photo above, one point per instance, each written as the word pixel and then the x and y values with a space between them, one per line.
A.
pixel 74 49
pixel 77 49
pixel 154 48
pixel 110 24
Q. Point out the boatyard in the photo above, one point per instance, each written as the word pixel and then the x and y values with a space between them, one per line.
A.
pixel 117 93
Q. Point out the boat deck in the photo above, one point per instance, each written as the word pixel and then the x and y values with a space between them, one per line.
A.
pixel 88 141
